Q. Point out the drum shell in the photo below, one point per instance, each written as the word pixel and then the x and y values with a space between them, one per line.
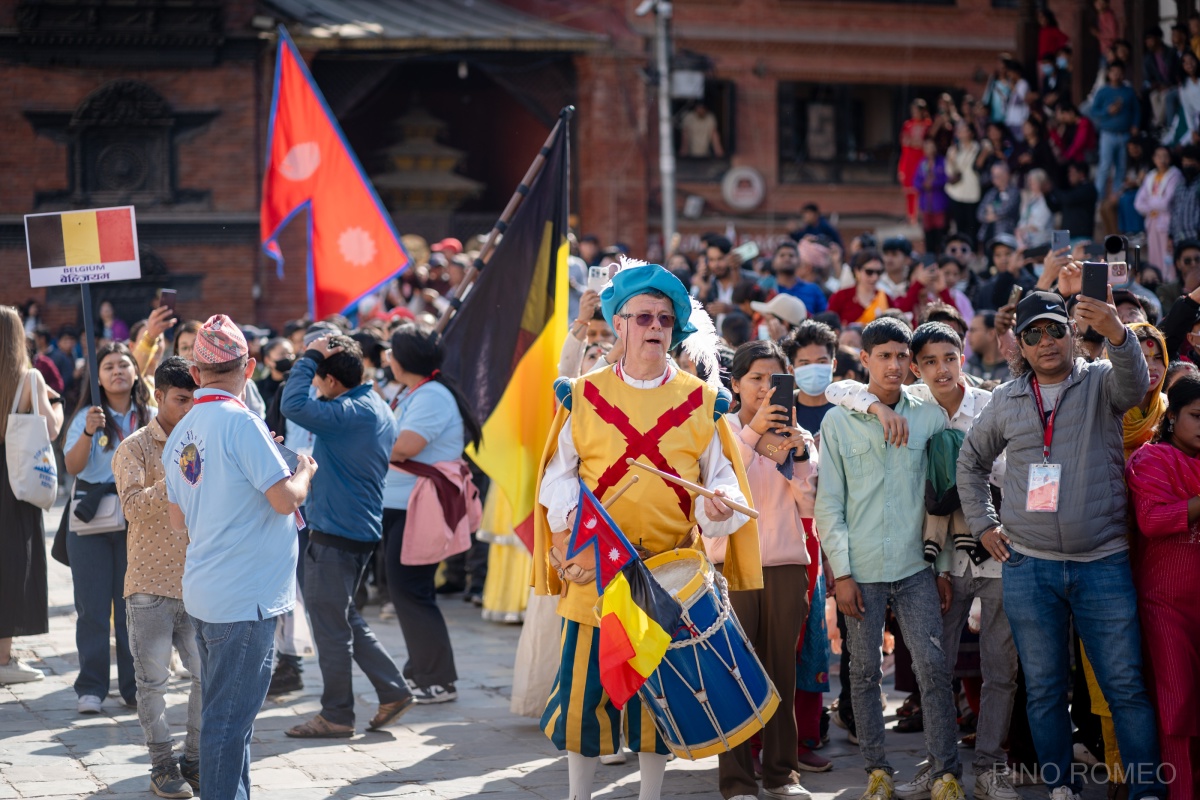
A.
pixel 739 709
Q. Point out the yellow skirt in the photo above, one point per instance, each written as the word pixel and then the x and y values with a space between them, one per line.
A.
pixel 506 589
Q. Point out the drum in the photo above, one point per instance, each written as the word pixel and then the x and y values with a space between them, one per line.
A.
pixel 710 693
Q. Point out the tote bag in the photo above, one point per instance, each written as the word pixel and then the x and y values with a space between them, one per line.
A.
pixel 32 470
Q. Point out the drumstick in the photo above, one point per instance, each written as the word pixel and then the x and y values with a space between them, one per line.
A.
pixel 666 476
pixel 620 491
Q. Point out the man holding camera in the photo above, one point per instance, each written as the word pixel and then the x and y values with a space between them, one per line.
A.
pixel 1061 534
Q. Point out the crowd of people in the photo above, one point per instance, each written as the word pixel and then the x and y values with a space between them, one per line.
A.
pixel 914 433
pixel 990 476
pixel 1120 159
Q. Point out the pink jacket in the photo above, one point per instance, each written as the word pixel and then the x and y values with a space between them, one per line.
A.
pixel 781 503
pixel 428 537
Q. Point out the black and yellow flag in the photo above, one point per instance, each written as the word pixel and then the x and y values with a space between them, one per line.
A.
pixel 504 343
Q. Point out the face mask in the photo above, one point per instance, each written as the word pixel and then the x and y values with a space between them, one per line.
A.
pixel 961 285
pixel 813 378
pixel 1047 69
pixel 1060 62
pixel 284 364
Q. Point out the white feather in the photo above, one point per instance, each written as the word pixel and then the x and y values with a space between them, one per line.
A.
pixel 627 262
pixel 701 346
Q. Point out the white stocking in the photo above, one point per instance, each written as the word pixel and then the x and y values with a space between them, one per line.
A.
pixel 653 766
pixel 580 769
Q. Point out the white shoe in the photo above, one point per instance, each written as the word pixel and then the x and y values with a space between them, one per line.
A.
pixel 89 704
pixel 387 611
pixel 920 787
pixel 1063 793
pixel 879 786
pixel 17 671
pixel 177 668
pixel 614 758
pixel 1082 755
pixel 995 784
pixel 792 790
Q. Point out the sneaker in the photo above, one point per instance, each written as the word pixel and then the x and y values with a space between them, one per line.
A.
pixel 808 761
pixel 1063 793
pixel 920 787
pixel 614 758
pixel 792 791
pixel 1083 755
pixel 190 770
pixel 428 695
pixel 947 787
pixel 473 597
pixel 387 611
pixel 879 787
pixel 995 784
pixel 89 704
pixel 286 678
pixel 17 671
pixel 165 781
pixel 844 721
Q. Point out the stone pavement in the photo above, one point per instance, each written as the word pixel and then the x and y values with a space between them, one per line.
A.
pixel 473 747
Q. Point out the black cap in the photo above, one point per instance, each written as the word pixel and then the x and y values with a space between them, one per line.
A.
pixel 1040 305
pixel 900 243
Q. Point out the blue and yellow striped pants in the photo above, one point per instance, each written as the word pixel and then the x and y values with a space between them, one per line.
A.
pixel 579 716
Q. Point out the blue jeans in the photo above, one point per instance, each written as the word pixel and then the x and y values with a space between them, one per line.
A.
pixel 156 623
pixel 235 659
pixel 1112 158
pixel 1041 597
pixel 341 634
pixel 98 564
pixel 915 603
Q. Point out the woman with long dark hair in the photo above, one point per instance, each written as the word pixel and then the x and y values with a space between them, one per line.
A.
pixel 1164 483
pixel 23 610
pixel 435 423
pixel 98 559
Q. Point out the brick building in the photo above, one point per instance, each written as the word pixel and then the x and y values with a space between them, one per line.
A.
pixel 163 103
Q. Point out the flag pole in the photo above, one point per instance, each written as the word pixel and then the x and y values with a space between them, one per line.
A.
pixel 489 245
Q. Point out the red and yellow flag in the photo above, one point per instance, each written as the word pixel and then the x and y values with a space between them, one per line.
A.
pixel 638 617
pixel 504 343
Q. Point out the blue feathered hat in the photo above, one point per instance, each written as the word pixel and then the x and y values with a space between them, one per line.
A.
pixel 637 277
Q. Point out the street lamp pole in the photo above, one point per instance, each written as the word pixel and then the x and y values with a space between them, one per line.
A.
pixel 666 149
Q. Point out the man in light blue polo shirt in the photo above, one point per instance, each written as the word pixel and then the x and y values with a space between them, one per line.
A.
pixel 227 483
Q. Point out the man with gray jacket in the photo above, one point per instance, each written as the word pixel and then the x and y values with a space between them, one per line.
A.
pixel 1061 534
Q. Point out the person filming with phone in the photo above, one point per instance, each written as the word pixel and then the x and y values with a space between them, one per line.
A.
pixel 1062 534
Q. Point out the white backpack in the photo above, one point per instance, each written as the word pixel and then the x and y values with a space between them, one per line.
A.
pixel 32 470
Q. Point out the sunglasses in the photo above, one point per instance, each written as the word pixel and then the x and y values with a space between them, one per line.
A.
pixel 1031 336
pixel 667 321
pixel 875 272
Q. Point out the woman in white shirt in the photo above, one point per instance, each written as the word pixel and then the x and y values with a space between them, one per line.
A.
pixel 1035 221
pixel 962 180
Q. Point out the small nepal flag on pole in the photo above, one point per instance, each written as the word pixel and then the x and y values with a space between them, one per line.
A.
pixel 638 617
pixel 353 248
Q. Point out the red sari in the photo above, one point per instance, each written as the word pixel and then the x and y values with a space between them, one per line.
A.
pixel 1161 480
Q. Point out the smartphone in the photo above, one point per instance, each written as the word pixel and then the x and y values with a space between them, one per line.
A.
pixel 783 386
pixel 597 277
pixel 166 297
pixel 1060 240
pixel 1036 253
pixel 1118 273
pixel 1014 296
pixel 1095 280
pixel 290 457
pixel 746 252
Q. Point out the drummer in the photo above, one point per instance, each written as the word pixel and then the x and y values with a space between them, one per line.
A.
pixel 642 407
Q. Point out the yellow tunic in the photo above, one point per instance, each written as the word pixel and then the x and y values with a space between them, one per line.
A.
pixel 669 427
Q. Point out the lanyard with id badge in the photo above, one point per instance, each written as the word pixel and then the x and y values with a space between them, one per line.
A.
pixel 1044 478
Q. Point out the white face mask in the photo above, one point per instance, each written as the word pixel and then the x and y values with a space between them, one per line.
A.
pixel 812 379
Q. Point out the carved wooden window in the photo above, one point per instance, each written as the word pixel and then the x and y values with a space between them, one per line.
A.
pixel 122 154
